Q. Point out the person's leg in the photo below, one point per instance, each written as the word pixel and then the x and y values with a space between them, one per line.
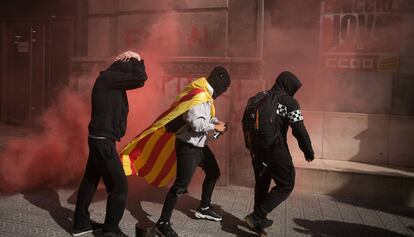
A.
pixel 212 171
pixel 284 177
pixel 262 183
pixel 188 158
pixel 116 185
pixel 86 190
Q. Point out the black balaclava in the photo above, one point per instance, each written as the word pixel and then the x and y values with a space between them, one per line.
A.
pixel 287 82
pixel 219 80
pixel 126 67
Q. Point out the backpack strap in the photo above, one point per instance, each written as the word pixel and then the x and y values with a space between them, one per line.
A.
pixel 276 117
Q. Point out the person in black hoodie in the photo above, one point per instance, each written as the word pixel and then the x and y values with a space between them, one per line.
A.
pixel 108 124
pixel 275 162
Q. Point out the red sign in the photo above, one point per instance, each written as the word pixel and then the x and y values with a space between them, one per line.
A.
pixel 361 35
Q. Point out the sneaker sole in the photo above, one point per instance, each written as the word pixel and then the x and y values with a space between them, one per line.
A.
pixel 82 233
pixel 201 216
pixel 252 227
pixel 267 226
pixel 158 232
pixel 249 223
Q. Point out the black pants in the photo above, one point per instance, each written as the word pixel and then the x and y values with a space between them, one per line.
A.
pixel 188 158
pixel 103 162
pixel 281 171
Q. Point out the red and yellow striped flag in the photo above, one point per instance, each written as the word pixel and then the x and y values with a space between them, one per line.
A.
pixel 152 153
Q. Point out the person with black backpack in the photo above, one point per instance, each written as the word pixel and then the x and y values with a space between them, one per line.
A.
pixel 266 120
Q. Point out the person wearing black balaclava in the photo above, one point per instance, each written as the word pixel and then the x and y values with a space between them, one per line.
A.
pixel 191 131
pixel 108 125
pixel 275 162
pixel 219 80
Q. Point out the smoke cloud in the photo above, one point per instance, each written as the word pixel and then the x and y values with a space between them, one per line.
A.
pixel 344 52
pixel 57 155
pixel 146 104
pixel 53 157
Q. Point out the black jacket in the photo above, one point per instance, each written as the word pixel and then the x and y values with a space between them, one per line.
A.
pixel 289 110
pixel 109 99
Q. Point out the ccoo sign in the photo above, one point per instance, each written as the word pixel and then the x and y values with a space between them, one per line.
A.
pixel 360 34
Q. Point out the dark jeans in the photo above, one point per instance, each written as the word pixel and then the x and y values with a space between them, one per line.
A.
pixel 282 171
pixel 103 162
pixel 188 158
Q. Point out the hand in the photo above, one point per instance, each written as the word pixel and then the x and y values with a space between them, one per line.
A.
pixel 309 158
pixel 220 127
pixel 226 125
pixel 218 122
pixel 125 56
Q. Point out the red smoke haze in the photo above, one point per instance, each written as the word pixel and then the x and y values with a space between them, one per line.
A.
pixel 57 155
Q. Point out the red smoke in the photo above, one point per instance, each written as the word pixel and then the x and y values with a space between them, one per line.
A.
pixel 145 104
pixel 57 155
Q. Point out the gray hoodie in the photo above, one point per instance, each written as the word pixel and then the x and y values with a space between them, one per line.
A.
pixel 198 123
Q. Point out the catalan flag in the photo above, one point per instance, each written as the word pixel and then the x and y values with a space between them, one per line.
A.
pixel 152 153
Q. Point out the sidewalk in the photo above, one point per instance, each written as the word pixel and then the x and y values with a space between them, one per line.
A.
pixel 49 213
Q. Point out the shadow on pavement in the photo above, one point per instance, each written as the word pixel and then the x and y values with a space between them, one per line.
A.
pixel 140 192
pixel 383 206
pixel 336 228
pixel 48 199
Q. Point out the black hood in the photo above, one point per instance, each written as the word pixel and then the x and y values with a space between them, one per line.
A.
pixel 287 82
pixel 219 80
pixel 120 66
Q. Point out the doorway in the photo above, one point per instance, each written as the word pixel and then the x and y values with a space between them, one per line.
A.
pixel 37 54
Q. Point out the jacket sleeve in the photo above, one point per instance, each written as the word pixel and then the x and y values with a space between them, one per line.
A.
pixel 298 129
pixel 199 119
pixel 214 120
pixel 128 81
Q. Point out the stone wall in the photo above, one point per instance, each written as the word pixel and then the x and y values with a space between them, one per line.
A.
pixel 229 32
pixel 367 138
pixel 201 34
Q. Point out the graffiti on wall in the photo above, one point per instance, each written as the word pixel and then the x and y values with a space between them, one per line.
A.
pixel 360 35
pixel 199 37
pixel 195 38
pixel 198 34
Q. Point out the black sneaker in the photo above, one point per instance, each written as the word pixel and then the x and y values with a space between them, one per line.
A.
pixel 163 229
pixel 208 213
pixel 92 228
pixel 256 224
pixel 266 223
pixel 118 233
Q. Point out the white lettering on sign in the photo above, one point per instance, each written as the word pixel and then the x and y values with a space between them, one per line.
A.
pixel 356 33
pixel 357 63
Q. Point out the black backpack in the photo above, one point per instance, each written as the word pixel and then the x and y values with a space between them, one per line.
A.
pixel 261 126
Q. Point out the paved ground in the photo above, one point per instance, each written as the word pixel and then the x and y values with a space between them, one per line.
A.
pixel 49 212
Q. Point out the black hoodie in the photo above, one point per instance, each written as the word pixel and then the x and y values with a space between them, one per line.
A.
pixel 109 99
pixel 288 84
